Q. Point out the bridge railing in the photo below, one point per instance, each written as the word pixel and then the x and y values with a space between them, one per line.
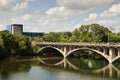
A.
pixel 85 44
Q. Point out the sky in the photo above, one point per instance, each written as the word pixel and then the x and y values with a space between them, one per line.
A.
pixel 59 15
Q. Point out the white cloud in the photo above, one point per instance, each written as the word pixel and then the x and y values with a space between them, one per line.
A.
pixel 46 21
pixel 68 8
pixel 5 2
pixel 21 6
pixel 91 17
pixel 26 17
pixel 112 11
pixel 77 26
pixel 59 12
pixel 63 13
pixel 2 27
pixel 21 19
pixel 55 10
pixel 83 4
pixel 109 22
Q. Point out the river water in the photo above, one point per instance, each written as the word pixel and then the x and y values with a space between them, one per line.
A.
pixel 57 68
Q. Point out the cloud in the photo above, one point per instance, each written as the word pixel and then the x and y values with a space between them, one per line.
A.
pixel 77 26
pixel 69 8
pixel 63 13
pixel 59 12
pixel 21 19
pixel 21 6
pixel 112 11
pixel 91 17
pixel 109 22
pixel 2 27
pixel 83 4
pixel 26 17
pixel 4 3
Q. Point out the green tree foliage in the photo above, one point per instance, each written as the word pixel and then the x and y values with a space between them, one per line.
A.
pixel 91 33
pixel 52 37
pixel 85 33
pixel 57 37
pixel 7 42
pixel 22 44
pixel 14 44
pixel 1 43
pixel 115 37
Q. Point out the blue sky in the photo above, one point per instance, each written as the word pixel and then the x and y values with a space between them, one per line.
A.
pixel 59 15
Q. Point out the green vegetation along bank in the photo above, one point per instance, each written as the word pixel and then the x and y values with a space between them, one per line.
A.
pixel 85 33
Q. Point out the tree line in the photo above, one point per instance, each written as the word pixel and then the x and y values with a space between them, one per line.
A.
pixel 84 33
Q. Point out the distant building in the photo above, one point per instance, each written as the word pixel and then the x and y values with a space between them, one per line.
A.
pixel 18 29
pixel 32 34
pixel 15 28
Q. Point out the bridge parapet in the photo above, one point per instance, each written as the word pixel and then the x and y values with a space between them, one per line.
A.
pixel 78 44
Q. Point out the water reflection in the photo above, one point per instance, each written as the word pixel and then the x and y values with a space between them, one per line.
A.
pixel 99 68
pixel 27 67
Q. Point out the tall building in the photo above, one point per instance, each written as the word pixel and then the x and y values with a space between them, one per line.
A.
pixel 15 28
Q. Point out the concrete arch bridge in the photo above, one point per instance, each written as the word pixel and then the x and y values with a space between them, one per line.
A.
pixel 111 52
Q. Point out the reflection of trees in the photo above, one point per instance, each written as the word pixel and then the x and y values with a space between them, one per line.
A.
pixel 68 64
pixel 11 65
pixel 90 67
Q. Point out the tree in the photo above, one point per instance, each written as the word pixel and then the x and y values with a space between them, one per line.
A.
pixel 91 33
pixel 21 44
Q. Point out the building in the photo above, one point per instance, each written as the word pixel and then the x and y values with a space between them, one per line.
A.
pixel 18 29
pixel 32 34
pixel 15 28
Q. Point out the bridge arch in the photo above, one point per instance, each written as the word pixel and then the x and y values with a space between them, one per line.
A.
pixel 100 53
pixel 62 53
pixel 116 58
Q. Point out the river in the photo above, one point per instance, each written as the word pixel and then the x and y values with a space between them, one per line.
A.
pixel 57 68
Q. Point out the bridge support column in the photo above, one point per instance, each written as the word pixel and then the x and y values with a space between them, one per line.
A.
pixel 118 51
pixel 105 51
pixel 110 55
pixel 66 50
pixel 111 52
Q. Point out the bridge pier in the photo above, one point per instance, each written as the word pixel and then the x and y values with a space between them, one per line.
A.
pixel 111 52
pixel 65 50
pixel 105 51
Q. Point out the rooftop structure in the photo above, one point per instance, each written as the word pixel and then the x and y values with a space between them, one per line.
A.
pixel 15 28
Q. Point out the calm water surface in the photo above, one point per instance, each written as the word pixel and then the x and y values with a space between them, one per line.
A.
pixel 54 68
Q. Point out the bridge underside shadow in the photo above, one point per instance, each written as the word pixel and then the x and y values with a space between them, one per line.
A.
pixel 49 52
pixel 87 53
